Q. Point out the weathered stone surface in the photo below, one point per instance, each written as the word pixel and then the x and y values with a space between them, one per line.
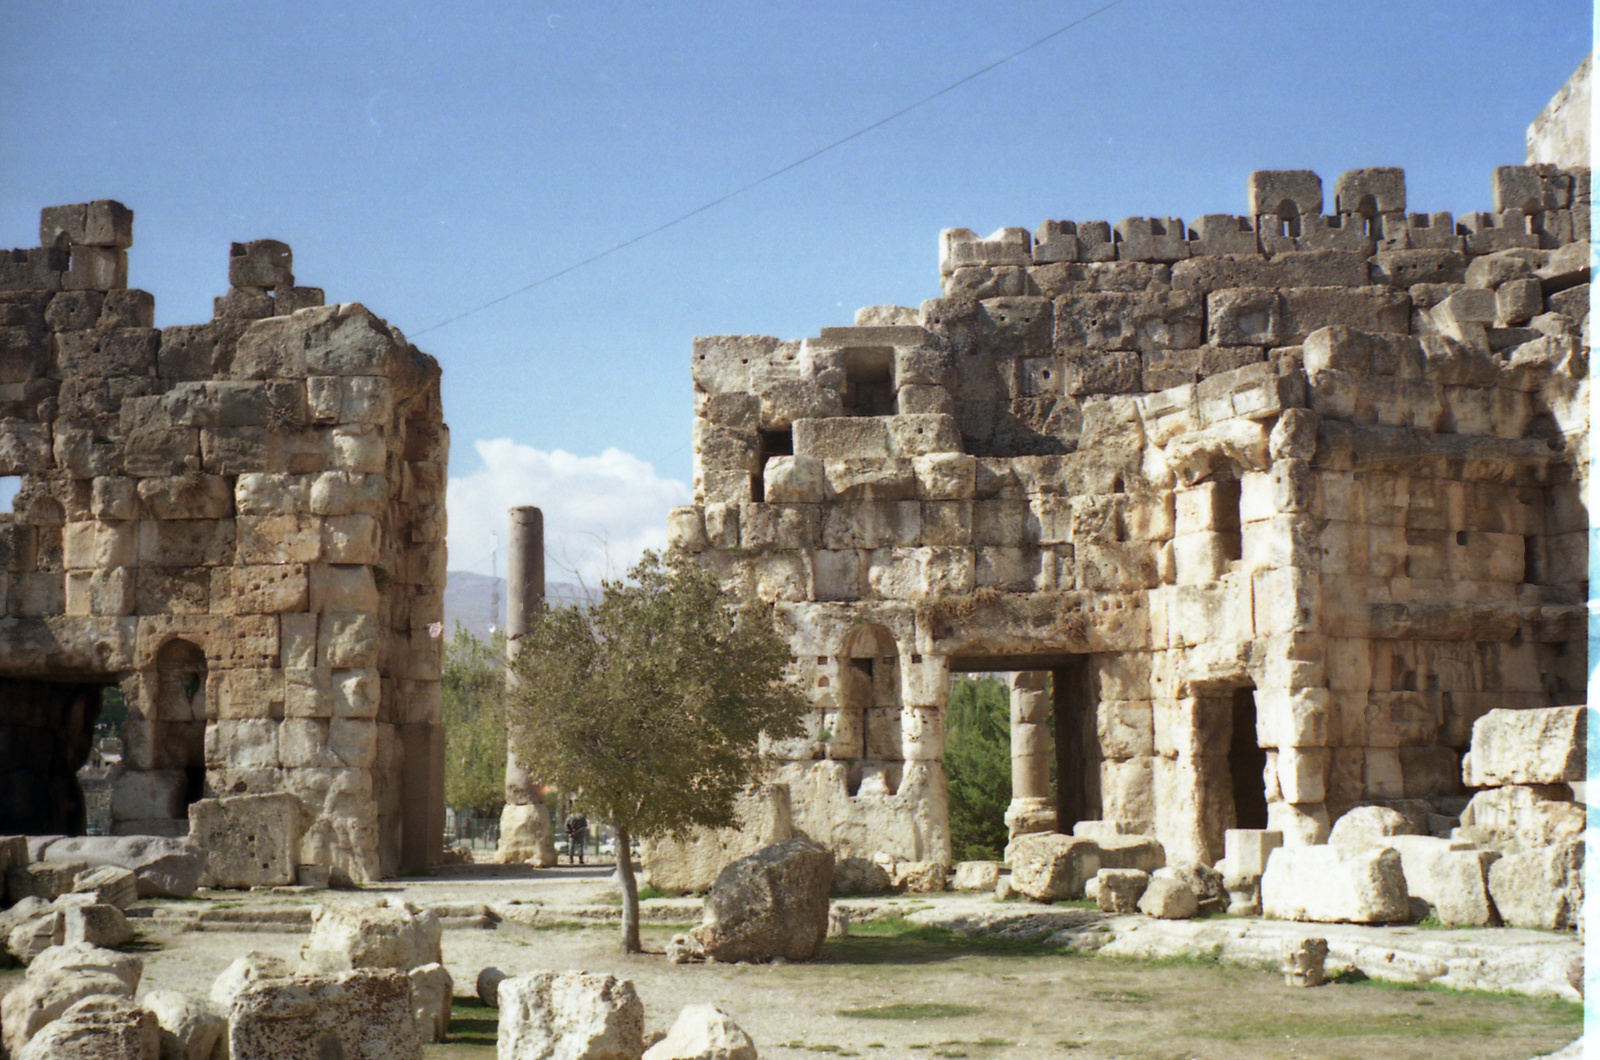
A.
pixel 365 1013
pixel 1168 898
pixel 188 1028
pixel 1049 866
pixel 975 876
pixel 1118 891
pixel 1450 877
pixel 163 868
pixel 1524 816
pixel 97 1028
pixel 488 986
pixel 59 978
pixel 1544 746
pixel 1365 828
pixel 692 864
pixel 110 884
pixel 576 1015
pixel 773 903
pixel 97 925
pixel 252 968
pixel 391 935
pixel 432 991
pixel 249 840
pixel 1303 962
pixel 1540 888
pixel 703 1032
pixel 1322 883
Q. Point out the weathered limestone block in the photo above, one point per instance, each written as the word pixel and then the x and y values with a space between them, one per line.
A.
pixel 1322 883
pixel 1050 866
pixel 363 1013
pixel 97 1028
pixel 1449 875
pixel 31 927
pixel 187 1027
pixel 40 880
pixel 843 438
pixel 391 935
pixel 577 1015
pixel 108 884
pixel 793 480
pixel 703 1032
pixel 1540 888
pixel 1543 746
pixel 249 840
pixel 1118 891
pixel 245 971
pixel 1303 962
pixel 1168 898
pixel 1524 817
pixel 525 835
pixel 772 903
pixel 432 991
pixel 692 865
pixel 975 876
pixel 1366 828
pixel 96 924
pixel 56 980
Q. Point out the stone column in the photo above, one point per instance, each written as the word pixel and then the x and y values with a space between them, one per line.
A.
pixel 1031 809
pixel 525 835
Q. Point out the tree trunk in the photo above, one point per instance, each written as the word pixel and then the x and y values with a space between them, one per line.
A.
pixel 630 893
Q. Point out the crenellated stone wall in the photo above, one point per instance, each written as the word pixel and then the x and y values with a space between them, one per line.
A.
pixel 241 523
pixel 1284 501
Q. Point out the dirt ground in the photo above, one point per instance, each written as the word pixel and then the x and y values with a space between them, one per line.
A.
pixel 916 992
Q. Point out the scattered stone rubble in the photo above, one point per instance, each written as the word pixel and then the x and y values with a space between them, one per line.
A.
pixel 240 523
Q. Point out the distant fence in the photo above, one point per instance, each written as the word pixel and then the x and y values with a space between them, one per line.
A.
pixel 475 833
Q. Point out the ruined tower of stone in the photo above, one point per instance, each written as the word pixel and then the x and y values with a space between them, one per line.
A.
pixel 1282 502
pixel 241 524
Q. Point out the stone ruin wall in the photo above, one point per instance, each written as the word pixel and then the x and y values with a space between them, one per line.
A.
pixel 241 523
pixel 1322 469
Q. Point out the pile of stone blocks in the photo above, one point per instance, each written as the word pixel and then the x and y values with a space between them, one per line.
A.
pixel 242 524
pixel 1323 460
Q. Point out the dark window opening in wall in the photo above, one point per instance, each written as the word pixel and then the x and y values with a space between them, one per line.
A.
pixel 1229 522
pixel 1288 218
pixel 869 381
pixel 1247 763
pixel 769 443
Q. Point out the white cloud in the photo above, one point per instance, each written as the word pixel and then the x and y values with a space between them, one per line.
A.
pixel 600 512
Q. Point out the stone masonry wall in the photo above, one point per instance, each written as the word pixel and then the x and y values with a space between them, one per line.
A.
pixel 242 523
pixel 1318 467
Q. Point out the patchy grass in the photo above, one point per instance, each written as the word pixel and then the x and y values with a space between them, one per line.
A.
pixel 895 940
pixel 908 1010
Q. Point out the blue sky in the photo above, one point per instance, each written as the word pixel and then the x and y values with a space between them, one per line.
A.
pixel 423 159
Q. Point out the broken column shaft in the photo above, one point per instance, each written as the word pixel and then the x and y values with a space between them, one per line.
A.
pixel 525 834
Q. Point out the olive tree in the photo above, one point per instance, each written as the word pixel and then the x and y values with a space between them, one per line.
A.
pixel 650 705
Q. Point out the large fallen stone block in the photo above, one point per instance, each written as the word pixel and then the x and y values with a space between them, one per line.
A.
pixel 432 991
pixel 1368 828
pixel 31 934
pixel 1451 876
pixel 570 1016
pixel 1168 898
pixel 1118 890
pixel 365 1013
pixel 691 864
pixel 975 876
pixel 703 1032
pixel 1324 884
pixel 1541 888
pixel 46 881
pixel 773 903
pixel 109 884
pixel 96 924
pixel 1523 817
pixel 390 935
pixel 163 868
pixel 97 1028
pixel 59 978
pixel 1543 746
pixel 1048 866
pixel 249 840
pixel 189 1028
pixel 253 967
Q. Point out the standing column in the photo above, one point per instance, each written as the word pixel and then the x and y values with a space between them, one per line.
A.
pixel 525 835
pixel 1031 809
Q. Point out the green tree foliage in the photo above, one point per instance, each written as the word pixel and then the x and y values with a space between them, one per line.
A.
pixel 650 705
pixel 977 762
pixel 113 713
pixel 473 686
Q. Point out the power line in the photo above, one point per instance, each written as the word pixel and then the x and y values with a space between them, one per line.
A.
pixel 797 163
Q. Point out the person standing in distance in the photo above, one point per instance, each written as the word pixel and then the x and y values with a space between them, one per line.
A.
pixel 577 836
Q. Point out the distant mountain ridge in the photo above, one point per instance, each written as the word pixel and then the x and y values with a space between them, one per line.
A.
pixel 470 599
